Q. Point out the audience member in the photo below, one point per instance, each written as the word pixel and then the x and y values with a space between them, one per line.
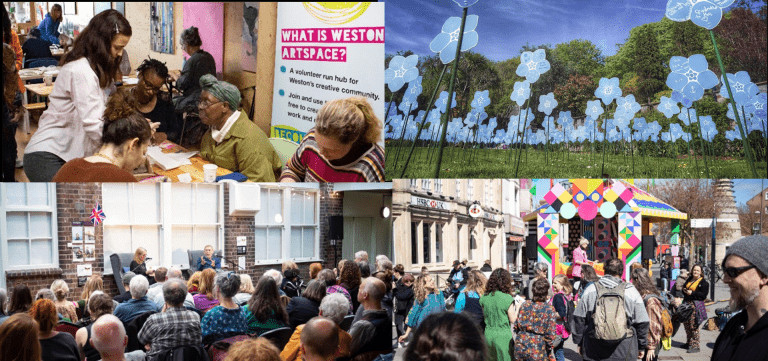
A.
pixel 696 290
pixel 588 276
pixel 45 293
pixel 255 349
pixel 205 300
pixel 427 300
pixel 486 266
pixel 561 301
pixel 540 270
pixel 228 318
pixel 361 256
pixel 591 346
pixel 535 326
pixel 653 306
pixel 350 279
pixel 55 346
pixel 246 290
pixel 99 305
pixel 399 270
pixel 327 276
pixel 199 63
pixel 21 299
pixel 447 336
pixel 403 295
pixel 159 298
pixel 292 283
pixel 372 333
pixel 342 147
pixel 264 311
pixel 387 302
pixel 365 269
pixel 320 339
pixel 156 289
pixel 457 278
pixel 175 326
pixel 3 299
pixel 499 313
pixel 301 309
pixel 66 308
pixel 126 294
pixel 234 142
pixel 71 127
pixel 469 299
pixel 314 269
pixel 278 277
pixel 138 304
pixel 193 284
pixel 333 307
pixel 109 339
pixel 20 329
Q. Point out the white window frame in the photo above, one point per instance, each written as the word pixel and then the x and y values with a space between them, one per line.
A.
pixel 412 183
pixel 166 224
pixel 458 189
pixel 285 227
pixel 426 185
pixel 439 186
pixel 470 189
pixel 6 208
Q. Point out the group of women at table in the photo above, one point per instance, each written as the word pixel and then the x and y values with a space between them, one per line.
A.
pixel 94 131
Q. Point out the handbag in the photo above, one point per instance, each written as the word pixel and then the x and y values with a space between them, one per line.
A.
pixel 701 312
pixel 683 312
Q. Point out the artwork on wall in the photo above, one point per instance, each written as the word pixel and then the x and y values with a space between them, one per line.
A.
pixel 161 27
pixel 250 35
pixel 98 7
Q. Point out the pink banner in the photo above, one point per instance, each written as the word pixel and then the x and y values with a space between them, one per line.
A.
pixel 359 35
pixel 315 53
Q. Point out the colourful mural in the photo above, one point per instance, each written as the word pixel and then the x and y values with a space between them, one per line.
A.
pixel 630 235
pixel 549 241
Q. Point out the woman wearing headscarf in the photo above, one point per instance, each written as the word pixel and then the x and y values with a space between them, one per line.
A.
pixel 234 142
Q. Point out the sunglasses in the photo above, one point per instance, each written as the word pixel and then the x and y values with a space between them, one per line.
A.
pixel 734 272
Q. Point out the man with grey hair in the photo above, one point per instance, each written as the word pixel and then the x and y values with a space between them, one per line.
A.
pixel 138 303
pixel 126 295
pixel 174 327
pixel 381 259
pixel 158 298
pixel 361 256
pixel 371 333
pixel 278 277
pixel 333 306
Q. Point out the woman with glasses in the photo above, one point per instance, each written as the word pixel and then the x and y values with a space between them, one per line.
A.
pixel 695 290
pixel 234 142
pixel 152 76
pixel 228 318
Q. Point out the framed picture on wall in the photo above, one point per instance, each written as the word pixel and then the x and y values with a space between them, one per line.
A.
pixel 70 8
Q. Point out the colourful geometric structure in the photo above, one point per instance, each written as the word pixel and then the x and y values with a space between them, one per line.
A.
pixel 549 241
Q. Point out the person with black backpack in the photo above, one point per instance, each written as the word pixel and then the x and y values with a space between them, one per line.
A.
pixel 610 321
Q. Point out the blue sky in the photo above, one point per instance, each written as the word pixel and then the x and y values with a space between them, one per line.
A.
pixel 506 25
pixel 743 189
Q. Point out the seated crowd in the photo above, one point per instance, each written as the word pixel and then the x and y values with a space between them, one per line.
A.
pixel 212 314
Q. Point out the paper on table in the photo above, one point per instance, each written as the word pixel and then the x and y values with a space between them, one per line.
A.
pixel 168 161
pixel 130 81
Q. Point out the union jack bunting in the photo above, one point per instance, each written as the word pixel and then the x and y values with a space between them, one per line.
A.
pixel 97 215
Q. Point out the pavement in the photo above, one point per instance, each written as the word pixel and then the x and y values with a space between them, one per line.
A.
pixel 706 338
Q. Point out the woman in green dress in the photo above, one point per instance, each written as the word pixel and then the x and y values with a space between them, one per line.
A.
pixel 499 312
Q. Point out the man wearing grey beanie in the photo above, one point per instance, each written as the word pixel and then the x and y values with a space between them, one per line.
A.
pixel 746 273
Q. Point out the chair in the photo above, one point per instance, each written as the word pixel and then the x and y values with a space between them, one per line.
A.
pixel 195 255
pixel 347 323
pixel 119 262
pixel 68 327
pixel 183 353
pixel 132 329
pixel 284 148
pixel 279 336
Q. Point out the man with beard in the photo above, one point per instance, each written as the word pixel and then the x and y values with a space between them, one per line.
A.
pixel 745 269
pixel 152 76
pixel 234 142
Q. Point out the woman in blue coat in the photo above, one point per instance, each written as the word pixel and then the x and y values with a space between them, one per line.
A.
pixel 49 27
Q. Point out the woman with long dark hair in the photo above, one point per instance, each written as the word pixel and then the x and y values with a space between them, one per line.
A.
pixel 21 299
pixel 695 290
pixel 71 127
pixel 264 311
pixel 653 306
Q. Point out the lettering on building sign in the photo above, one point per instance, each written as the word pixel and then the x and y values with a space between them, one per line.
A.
pixel 430 203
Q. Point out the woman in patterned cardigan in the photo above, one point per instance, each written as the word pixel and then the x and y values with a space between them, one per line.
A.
pixel 653 306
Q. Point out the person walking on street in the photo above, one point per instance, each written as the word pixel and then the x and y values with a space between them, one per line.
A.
pixel 695 290
pixel 745 269
pixel 642 281
pixel 603 329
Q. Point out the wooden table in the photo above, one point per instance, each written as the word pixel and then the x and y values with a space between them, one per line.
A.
pixel 40 89
pixel 24 101
pixel 195 169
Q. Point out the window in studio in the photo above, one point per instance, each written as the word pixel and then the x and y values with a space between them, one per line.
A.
pixel 287 225
pixel 29 229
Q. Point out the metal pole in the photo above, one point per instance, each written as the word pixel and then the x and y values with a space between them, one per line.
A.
pixel 712 268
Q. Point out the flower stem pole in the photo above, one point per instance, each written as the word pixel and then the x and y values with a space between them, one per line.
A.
pixel 690 127
pixel 402 135
pixel 703 151
pixel 421 126
pixel 522 138
pixel 454 70
pixel 605 133
pixel 744 140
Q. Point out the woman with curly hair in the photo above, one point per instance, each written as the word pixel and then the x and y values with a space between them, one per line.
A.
pixel 193 284
pixel 427 300
pixel 469 299
pixel 205 300
pixel 499 313
pixel 350 278
pixel 56 346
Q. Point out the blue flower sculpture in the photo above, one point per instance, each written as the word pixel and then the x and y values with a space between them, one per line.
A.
pixel 395 127
pixel 481 99
pixel 690 76
pixel 742 87
pixel 626 107
pixel 547 103
pixel 704 13
pixel 608 90
pixel 414 87
pixel 708 128
pixel 521 93
pixel 594 109
pixel 668 107
pixel 446 42
pixel 408 104
pixel 532 65
pixel 651 131
pixel 441 102
pixel 401 71
pixel 515 125
pixel 682 99
pixel 465 3
pixel 639 126
pixel 687 116
pixel 757 106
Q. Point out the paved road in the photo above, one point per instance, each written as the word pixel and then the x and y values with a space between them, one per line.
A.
pixel 707 338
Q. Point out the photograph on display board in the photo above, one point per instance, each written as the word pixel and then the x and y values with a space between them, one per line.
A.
pixel 207 121
pixel 576 89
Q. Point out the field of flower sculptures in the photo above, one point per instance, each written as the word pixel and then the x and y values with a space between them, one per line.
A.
pixel 659 108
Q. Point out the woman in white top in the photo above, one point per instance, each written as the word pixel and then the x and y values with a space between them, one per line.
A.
pixel 71 126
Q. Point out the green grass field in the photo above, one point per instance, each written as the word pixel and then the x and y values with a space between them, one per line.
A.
pixel 496 163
